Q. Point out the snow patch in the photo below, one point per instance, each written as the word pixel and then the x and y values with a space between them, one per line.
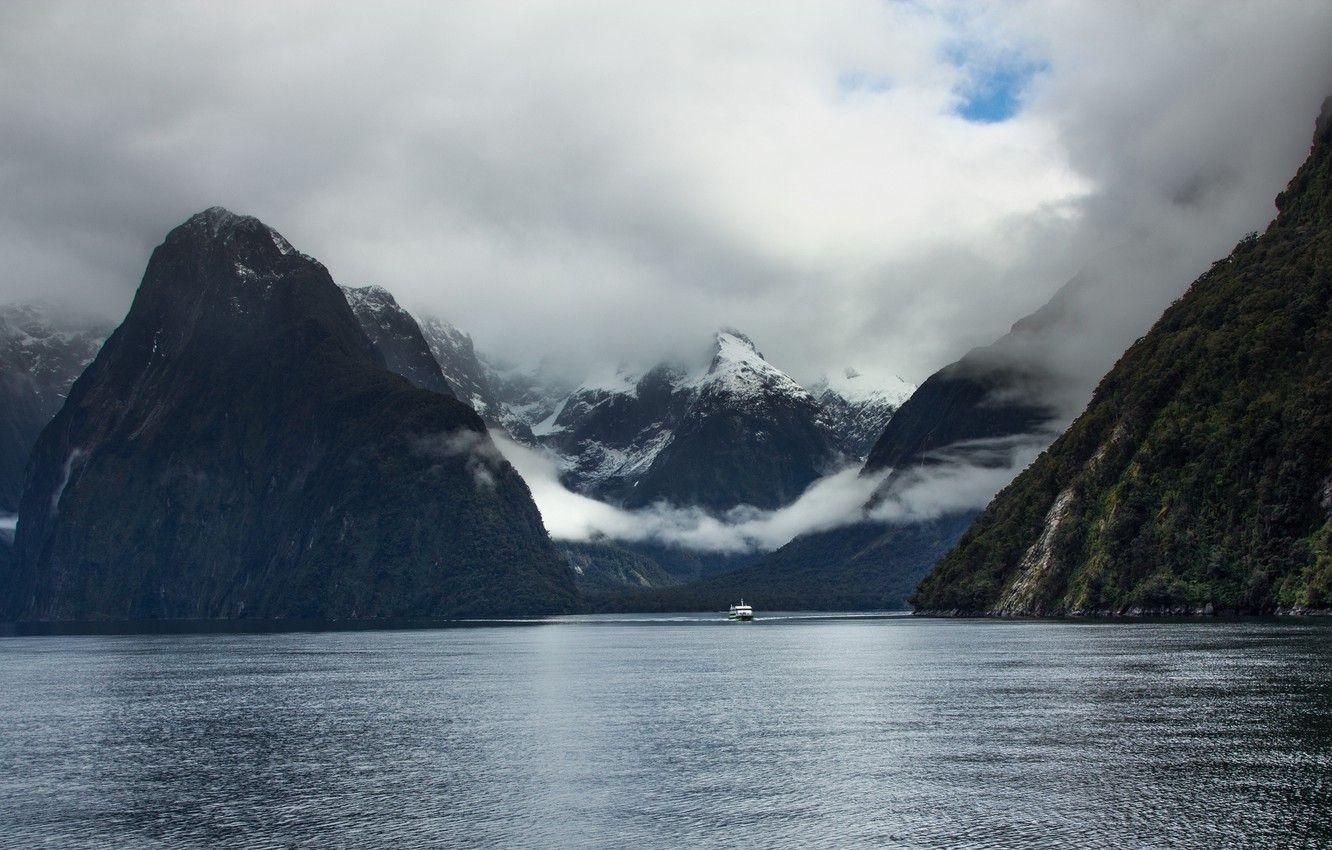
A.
pixel 738 370
pixel 860 388
pixel 283 246
pixel 547 426
pixel 624 381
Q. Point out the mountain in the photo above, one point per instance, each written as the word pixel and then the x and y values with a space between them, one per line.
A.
pixel 506 399
pixel 42 351
pixel 238 449
pixel 856 408
pixel 734 431
pixel 982 412
pixel 981 402
pixel 635 438
pixel 1199 478
pixel 527 397
pixel 396 336
pixel 608 432
pixel 749 435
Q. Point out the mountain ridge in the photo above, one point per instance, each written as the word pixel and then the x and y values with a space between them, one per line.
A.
pixel 1197 479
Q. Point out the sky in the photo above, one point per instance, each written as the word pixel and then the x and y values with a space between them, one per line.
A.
pixel 881 185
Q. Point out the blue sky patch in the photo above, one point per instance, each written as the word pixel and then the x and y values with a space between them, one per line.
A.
pixel 994 86
pixel 862 81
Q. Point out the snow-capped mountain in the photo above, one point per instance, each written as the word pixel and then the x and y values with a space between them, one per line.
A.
pixel 609 430
pixel 42 352
pixel 729 430
pixel 396 336
pixel 735 430
pixel 856 407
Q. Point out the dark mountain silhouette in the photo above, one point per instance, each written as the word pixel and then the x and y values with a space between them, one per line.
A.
pixel 238 449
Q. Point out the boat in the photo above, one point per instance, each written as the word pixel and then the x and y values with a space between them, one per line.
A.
pixel 742 611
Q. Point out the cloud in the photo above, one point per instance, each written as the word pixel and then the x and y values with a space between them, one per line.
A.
pixel 962 478
pixel 829 502
pixel 606 183
pixel 480 457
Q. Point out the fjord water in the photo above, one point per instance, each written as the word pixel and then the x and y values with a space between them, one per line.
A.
pixel 689 731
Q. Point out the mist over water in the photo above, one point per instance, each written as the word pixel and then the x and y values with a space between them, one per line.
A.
pixel 676 731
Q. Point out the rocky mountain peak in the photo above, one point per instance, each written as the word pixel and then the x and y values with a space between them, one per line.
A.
pixel 728 339
pixel 222 226
pixel 371 295
pixel 738 369
pixel 397 337
pixel 237 448
pixel 219 280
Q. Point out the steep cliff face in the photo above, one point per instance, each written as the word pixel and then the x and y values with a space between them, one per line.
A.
pixel 396 336
pixel 42 351
pixel 238 449
pixel 1198 478
pixel 478 383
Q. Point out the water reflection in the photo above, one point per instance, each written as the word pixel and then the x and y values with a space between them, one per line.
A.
pixel 884 732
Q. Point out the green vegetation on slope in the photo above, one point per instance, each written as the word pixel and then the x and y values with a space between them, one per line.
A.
pixel 1199 474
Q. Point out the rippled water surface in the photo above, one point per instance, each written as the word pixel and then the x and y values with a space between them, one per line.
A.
pixel 606 732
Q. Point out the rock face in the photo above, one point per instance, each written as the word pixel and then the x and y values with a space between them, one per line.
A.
pixel 396 337
pixel 238 449
pixel 856 408
pixel 1197 480
pixel 508 401
pixel 41 353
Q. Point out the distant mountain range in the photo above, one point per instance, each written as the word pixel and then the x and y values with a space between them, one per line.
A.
pixel 254 441
pixel 734 430
pixel 974 413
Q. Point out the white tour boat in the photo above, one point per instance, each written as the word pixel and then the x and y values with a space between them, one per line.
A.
pixel 742 611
